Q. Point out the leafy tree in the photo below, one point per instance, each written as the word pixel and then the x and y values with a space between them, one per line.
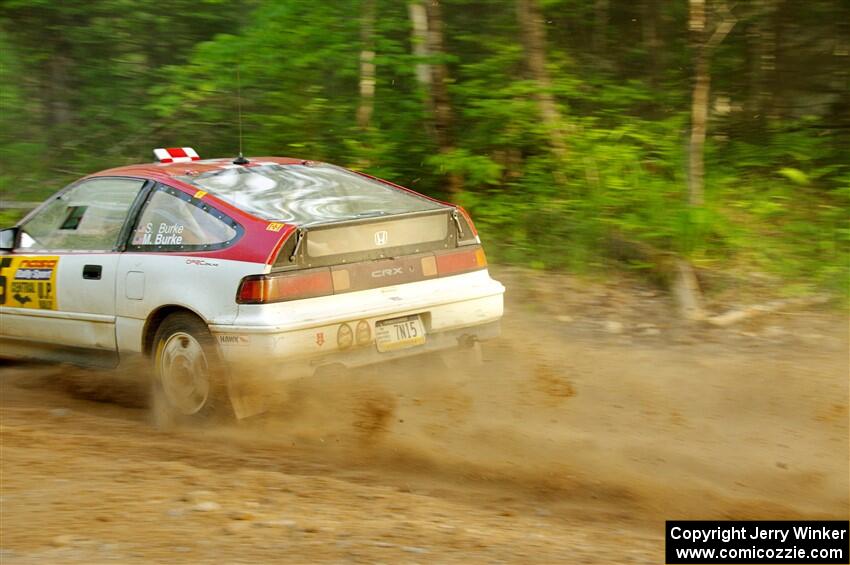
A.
pixel 573 130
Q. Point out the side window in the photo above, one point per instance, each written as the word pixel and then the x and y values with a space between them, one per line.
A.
pixel 173 221
pixel 86 217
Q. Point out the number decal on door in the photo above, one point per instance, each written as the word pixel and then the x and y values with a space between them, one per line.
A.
pixel 28 282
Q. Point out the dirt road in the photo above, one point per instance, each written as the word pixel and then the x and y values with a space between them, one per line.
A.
pixel 591 421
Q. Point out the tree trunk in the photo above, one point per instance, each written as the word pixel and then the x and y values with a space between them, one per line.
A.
pixel 419 23
pixel 651 39
pixel 367 65
pixel 762 39
pixel 439 74
pixel 782 24
pixel 699 102
pixel 699 117
pixel 687 292
pixel 600 26
pixel 686 289
pixel 534 39
pixel 427 25
pixel 703 46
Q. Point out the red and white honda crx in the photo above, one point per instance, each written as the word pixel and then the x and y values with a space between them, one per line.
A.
pixel 283 265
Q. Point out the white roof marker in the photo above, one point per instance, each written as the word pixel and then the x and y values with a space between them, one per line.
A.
pixel 176 155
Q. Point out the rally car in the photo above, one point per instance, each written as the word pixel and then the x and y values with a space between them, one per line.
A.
pixel 282 266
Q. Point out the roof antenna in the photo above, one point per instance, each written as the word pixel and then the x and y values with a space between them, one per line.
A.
pixel 241 160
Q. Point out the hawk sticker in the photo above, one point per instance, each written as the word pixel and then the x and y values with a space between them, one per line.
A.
pixel 28 282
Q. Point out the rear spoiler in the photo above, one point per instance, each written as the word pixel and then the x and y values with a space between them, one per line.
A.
pixel 373 238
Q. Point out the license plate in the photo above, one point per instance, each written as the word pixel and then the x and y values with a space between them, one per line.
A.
pixel 399 333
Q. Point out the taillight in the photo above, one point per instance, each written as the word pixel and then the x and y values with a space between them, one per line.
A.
pixel 461 261
pixel 262 289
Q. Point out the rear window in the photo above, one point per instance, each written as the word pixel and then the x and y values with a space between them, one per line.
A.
pixel 308 194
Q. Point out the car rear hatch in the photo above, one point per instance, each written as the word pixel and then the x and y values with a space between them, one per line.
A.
pixel 365 239
pixel 353 232
pixel 371 253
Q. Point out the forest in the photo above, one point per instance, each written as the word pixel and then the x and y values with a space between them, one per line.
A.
pixel 705 137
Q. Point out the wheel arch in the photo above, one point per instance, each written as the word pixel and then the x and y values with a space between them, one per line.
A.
pixel 156 318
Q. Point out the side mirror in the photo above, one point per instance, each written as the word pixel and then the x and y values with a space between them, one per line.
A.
pixel 8 238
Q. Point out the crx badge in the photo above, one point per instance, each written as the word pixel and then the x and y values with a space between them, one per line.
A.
pixel 381 237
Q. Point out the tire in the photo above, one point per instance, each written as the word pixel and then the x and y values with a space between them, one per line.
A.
pixel 189 380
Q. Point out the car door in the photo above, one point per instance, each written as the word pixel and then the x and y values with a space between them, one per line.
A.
pixel 59 283
pixel 161 265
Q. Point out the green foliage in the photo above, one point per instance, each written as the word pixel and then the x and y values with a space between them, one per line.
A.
pixel 10 217
pixel 88 85
pixel 476 170
pixel 795 175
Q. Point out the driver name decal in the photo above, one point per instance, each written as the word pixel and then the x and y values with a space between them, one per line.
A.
pixel 28 282
pixel 164 234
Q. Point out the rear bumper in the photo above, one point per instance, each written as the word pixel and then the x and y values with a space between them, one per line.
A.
pixel 281 369
pixel 298 337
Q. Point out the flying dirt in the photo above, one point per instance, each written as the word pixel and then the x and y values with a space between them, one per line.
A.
pixel 594 418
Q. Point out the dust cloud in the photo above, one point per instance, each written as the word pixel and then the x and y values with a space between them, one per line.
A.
pixel 572 441
pixel 624 430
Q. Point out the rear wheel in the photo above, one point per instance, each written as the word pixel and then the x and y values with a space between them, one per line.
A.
pixel 189 382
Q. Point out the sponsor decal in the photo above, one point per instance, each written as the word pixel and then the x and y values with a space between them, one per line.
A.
pixel 201 263
pixel 200 194
pixel 364 332
pixel 234 340
pixel 28 282
pixel 274 226
pixel 320 338
pixel 381 237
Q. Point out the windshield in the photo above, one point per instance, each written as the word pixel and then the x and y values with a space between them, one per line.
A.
pixel 308 194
